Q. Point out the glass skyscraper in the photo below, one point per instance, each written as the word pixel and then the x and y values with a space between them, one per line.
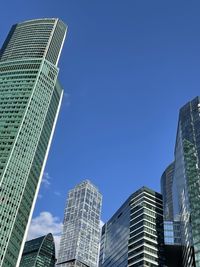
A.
pixel 39 252
pixel 30 98
pixel 79 246
pixel 134 235
pixel 171 226
pixel 166 190
pixel 114 238
pixel 186 181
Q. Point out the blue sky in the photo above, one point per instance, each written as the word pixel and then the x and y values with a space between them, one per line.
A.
pixel 126 69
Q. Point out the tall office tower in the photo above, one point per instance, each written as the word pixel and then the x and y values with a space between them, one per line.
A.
pixel 114 238
pixel 186 181
pixel 171 227
pixel 134 235
pixel 30 98
pixel 80 239
pixel 39 252
pixel 172 240
pixel 166 190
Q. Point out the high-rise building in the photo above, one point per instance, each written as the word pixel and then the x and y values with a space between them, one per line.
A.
pixel 171 227
pixel 186 181
pixel 173 256
pixel 39 252
pixel 172 247
pixel 172 233
pixel 30 98
pixel 114 238
pixel 166 190
pixel 80 239
pixel 134 235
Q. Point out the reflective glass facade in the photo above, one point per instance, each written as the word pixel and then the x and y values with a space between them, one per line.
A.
pixel 186 183
pixel 172 233
pixel 39 252
pixel 166 190
pixel 115 238
pixel 80 239
pixel 30 98
pixel 134 236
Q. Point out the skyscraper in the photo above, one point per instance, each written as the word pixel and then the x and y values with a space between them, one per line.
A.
pixel 80 239
pixel 114 238
pixel 134 235
pixel 39 252
pixel 171 226
pixel 186 181
pixel 30 98
pixel 166 190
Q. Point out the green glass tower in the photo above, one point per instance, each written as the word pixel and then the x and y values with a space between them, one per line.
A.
pixel 30 98
pixel 39 252
pixel 186 181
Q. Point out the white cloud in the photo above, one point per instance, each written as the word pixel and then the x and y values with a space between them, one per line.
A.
pixel 43 224
pixel 47 223
pixel 58 194
pixel 39 196
pixel 46 179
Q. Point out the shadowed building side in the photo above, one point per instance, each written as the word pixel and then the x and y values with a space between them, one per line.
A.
pixel 166 190
pixel 134 235
pixel 39 252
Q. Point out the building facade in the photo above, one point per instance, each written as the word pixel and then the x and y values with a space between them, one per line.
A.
pixel 115 237
pixel 134 235
pixel 172 234
pixel 186 181
pixel 39 252
pixel 166 190
pixel 30 98
pixel 79 245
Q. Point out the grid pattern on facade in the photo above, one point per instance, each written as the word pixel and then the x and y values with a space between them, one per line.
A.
pixel 40 38
pixel 74 263
pixel 39 252
pixel 187 180
pixel 193 186
pixel 134 236
pixel 146 242
pixel 172 232
pixel 16 188
pixel 30 97
pixel 81 230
